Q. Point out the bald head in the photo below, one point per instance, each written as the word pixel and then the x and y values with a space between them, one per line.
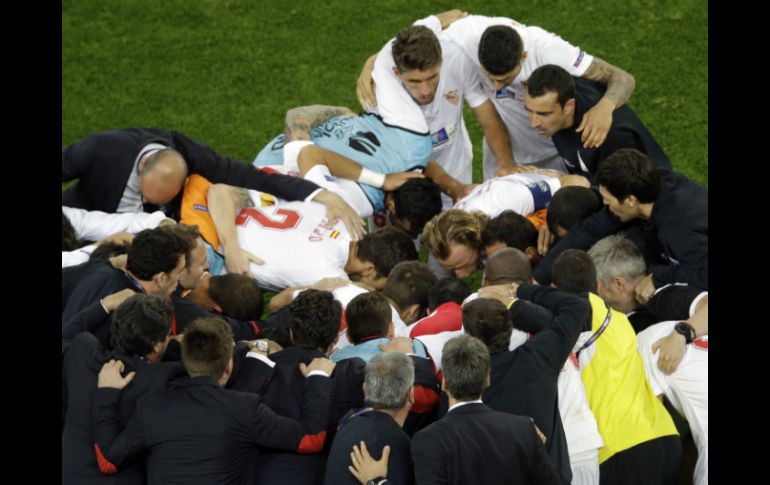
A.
pixel 162 176
pixel 508 265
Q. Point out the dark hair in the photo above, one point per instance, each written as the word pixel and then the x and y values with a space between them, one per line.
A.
pixel 416 47
pixel 417 201
pixel 409 283
pixel 207 347
pixel 189 233
pixel 466 365
pixel 315 319
pixel 386 248
pixel 155 251
pixel 571 205
pixel 550 78
pixel 238 295
pixel 629 172
pixel 446 290
pixel 139 323
pixel 574 272
pixel 109 249
pixel 368 315
pixel 69 240
pixel 513 229
pixel 489 321
pixel 500 49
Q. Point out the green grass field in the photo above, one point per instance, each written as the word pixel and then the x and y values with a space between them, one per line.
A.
pixel 225 71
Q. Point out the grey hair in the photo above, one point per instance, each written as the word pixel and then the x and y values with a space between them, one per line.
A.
pixel 389 378
pixel 466 365
pixel 617 256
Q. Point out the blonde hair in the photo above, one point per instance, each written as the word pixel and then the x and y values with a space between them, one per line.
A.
pixel 454 225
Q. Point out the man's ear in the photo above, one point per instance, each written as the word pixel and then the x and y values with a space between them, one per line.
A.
pixel 390 203
pixel 569 106
pixel 411 313
pixel 391 331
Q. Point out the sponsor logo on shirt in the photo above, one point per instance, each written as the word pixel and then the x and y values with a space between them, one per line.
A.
pixel 453 96
pixel 199 207
pixel 579 58
pixel 329 178
pixel 504 93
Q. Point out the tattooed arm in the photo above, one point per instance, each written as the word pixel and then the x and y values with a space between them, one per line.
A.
pixel 301 120
pixel 597 121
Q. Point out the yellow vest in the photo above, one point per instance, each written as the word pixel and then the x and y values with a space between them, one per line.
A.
pixel 620 396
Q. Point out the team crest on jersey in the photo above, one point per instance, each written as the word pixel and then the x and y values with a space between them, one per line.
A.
pixel 199 207
pixel 453 96
pixel 266 200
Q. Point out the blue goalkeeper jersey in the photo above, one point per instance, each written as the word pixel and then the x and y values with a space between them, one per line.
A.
pixel 367 141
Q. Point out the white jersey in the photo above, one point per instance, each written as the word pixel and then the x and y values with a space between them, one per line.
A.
pixel 542 47
pixel 344 295
pixel 523 193
pixel 97 225
pixel 443 117
pixel 295 241
pixel 687 388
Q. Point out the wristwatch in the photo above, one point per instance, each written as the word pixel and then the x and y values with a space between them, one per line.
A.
pixel 376 481
pixel 263 346
pixel 685 329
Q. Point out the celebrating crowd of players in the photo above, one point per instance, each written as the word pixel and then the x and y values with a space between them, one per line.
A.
pixel 590 330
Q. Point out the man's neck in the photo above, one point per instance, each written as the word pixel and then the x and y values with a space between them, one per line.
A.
pixel 645 210
pixel 398 415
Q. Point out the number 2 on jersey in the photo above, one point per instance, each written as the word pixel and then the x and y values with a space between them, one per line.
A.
pixel 287 218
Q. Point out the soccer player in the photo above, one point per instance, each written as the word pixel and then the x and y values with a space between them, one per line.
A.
pixel 297 243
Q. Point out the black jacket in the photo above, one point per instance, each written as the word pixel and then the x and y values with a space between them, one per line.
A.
pixel 674 240
pixel 196 432
pixel 524 380
pixel 473 444
pixel 284 392
pixel 377 430
pixel 103 162
pixel 81 365
pixel 626 131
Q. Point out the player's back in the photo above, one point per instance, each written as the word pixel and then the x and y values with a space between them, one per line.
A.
pixel 523 193
pixel 294 240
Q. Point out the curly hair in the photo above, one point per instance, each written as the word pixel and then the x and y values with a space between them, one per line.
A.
pixel 315 319
pixel 139 323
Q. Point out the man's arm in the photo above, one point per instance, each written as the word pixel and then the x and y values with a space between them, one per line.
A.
pixel 448 184
pixel 582 236
pixel 343 167
pixel 497 136
pixel 672 347
pixel 300 121
pixel 597 121
pixel 201 159
pixel 224 204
